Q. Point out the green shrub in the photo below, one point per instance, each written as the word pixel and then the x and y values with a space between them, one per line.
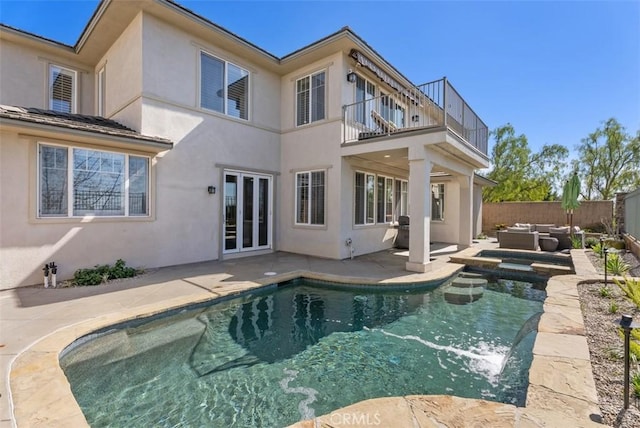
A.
pixel 604 291
pixel 591 242
pixel 594 228
pixel 631 288
pixel 613 308
pixel 576 242
pixel 103 273
pixel 635 381
pixel 598 250
pixel 616 265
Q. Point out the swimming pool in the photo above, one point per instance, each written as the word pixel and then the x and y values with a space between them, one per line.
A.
pixel 303 349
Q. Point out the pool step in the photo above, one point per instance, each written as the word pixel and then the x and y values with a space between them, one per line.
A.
pixel 470 275
pixel 465 290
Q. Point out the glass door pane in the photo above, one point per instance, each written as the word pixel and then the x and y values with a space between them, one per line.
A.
pixel 247 207
pixel 230 212
pixel 263 212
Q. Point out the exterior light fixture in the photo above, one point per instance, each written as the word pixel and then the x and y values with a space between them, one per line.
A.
pixel 626 322
pixel 211 190
pixel 351 76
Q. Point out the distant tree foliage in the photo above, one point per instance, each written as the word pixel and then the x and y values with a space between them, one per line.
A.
pixel 522 175
pixel 608 162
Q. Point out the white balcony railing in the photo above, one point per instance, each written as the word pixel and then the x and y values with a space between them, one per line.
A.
pixel 416 108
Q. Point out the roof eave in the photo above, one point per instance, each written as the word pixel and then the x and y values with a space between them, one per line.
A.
pixel 148 143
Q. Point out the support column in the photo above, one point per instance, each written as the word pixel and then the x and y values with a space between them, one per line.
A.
pixel 466 210
pixel 419 211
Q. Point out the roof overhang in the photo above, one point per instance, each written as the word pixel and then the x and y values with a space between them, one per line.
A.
pixel 48 131
pixel 483 181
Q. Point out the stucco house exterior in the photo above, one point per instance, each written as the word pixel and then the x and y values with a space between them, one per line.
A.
pixel 162 139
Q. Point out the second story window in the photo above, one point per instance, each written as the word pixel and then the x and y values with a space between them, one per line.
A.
pixel 224 87
pixel 310 93
pixel 62 89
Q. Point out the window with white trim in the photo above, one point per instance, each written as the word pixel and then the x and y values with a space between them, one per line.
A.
pixel 101 84
pixel 385 199
pixel 391 111
pixel 310 96
pixel 365 190
pixel 62 89
pixel 310 197
pixel 401 196
pixel 365 91
pixel 224 87
pixel 379 199
pixel 75 182
pixel 437 201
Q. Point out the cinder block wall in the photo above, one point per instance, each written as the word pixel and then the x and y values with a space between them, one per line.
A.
pixel 588 213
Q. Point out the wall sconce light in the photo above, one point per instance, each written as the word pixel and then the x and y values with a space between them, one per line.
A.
pixel 351 76
pixel 211 190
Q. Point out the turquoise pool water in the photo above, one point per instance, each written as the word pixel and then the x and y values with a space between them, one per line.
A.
pixel 301 350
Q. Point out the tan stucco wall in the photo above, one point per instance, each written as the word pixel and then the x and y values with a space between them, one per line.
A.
pixel 174 78
pixel 448 230
pixel 26 243
pixel 123 72
pixel 24 76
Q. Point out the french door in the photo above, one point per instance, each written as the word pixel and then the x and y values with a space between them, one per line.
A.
pixel 247 211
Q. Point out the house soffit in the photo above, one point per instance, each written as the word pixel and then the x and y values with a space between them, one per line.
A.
pixel 112 17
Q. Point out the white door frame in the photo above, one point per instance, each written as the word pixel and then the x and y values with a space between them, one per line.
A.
pixel 237 233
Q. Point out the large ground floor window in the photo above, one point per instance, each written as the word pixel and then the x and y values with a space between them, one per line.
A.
pixel 379 199
pixel 75 182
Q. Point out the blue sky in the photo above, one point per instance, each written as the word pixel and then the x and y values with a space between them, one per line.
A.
pixel 555 70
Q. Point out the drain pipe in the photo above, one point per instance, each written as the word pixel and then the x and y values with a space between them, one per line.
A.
pixel 54 271
pixel 349 243
pixel 46 275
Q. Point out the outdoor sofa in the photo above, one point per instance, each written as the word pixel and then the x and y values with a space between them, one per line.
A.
pixel 520 238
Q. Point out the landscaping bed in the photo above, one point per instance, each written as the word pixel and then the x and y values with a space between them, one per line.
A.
pixel 601 309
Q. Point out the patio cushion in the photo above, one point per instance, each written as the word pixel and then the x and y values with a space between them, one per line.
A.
pixel 564 229
pixel 544 228
pixel 518 229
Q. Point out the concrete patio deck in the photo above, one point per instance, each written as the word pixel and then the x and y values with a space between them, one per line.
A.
pixel 37 323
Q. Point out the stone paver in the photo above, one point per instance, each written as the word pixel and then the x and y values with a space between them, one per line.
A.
pixel 36 324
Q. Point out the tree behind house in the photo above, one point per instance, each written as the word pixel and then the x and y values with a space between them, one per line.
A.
pixel 522 175
pixel 609 162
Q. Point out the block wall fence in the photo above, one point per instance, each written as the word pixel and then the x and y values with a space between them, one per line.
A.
pixel 589 213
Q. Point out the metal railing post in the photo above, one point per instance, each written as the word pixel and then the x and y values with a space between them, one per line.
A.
pixel 344 124
pixel 444 100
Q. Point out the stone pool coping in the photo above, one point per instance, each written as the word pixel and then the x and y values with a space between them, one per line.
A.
pixel 561 391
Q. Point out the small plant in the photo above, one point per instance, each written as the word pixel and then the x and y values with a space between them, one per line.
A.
pixel 613 308
pixel 605 292
pixel 616 265
pixel 591 242
pixel 613 354
pixel 481 236
pixel 576 242
pixel 102 273
pixel 598 250
pixel 500 226
pixel 635 381
pixel 631 288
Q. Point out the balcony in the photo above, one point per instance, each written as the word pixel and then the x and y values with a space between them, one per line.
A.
pixel 419 108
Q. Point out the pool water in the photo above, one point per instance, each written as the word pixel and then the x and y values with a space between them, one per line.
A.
pixel 302 350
